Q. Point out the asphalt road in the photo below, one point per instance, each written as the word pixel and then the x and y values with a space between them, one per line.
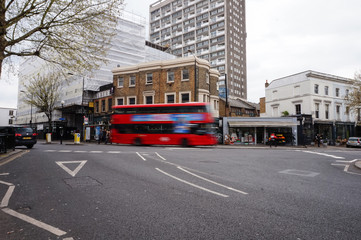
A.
pixel 125 192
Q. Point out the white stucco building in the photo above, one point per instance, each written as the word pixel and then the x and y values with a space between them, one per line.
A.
pixel 7 116
pixel 316 94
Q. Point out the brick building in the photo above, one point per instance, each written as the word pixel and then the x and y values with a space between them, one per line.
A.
pixel 179 80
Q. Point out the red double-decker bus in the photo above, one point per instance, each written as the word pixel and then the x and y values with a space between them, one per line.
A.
pixel 186 124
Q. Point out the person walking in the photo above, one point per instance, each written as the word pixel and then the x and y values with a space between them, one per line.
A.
pixel 318 139
pixel 107 136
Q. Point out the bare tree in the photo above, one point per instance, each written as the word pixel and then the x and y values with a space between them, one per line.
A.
pixel 43 91
pixel 71 33
pixel 353 99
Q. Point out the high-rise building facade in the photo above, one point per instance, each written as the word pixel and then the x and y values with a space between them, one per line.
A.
pixel 214 30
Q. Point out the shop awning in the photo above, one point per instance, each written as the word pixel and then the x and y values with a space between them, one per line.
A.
pixel 261 124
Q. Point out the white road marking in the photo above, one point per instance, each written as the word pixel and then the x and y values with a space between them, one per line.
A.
pixel 80 151
pixel 63 151
pixel 49 150
pixel 344 161
pixel 191 184
pixel 160 156
pixel 113 152
pixel 4 174
pixel 300 172
pixel 69 238
pixel 76 170
pixel 5 200
pixel 345 168
pixel 324 154
pixel 96 151
pixel 35 222
pixel 141 156
pixel 205 179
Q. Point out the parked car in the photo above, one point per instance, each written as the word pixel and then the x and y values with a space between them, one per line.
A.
pixel 353 142
pixel 25 136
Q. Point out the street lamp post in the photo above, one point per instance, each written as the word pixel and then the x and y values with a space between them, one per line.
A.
pixel 62 127
pixel 195 75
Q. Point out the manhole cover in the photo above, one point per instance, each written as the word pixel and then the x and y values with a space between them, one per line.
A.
pixel 79 182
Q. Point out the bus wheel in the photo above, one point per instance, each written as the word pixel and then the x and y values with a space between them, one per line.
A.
pixel 137 142
pixel 184 142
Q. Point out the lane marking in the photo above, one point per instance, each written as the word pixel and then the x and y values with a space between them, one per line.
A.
pixel 192 184
pixel 219 184
pixel 113 152
pixel 345 168
pixel 49 150
pixel 6 198
pixel 299 173
pixel 80 151
pixel 65 151
pixel 160 156
pixel 96 151
pixel 69 238
pixel 4 174
pixel 352 161
pixel 35 222
pixel 324 154
pixel 76 170
pixel 141 156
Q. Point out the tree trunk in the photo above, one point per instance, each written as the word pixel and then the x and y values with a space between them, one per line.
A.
pixel 3 41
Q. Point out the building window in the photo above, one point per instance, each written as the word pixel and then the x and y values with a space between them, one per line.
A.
pixel 149 79
pixel 110 104
pixel 132 101
pixel 337 92
pixel 338 111
pixel 316 88
pixel 170 77
pixel 120 101
pixel 148 99
pixel 298 108
pixel 132 81
pixel 275 112
pixel 185 74
pixel 326 90
pixel 317 110
pixel 207 78
pixel 170 98
pixel 327 110
pixel 347 93
pixel 120 82
pixel 184 97
pixel 11 113
pixel 10 121
pixel 97 106
pixel 103 105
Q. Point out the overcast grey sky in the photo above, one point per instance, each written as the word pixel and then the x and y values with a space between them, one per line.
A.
pixel 284 37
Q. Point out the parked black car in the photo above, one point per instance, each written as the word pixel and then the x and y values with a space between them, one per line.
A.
pixel 25 136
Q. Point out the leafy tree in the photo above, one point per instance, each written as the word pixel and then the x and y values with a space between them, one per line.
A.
pixel 353 99
pixel 42 91
pixel 71 33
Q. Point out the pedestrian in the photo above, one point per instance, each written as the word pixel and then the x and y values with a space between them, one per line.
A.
pixel 318 139
pixel 107 136
pixel 273 140
pixel 100 136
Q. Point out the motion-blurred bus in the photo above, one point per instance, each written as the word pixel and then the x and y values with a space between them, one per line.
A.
pixel 186 124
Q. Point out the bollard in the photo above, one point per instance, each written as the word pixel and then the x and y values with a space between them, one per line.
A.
pixel 77 138
pixel 48 138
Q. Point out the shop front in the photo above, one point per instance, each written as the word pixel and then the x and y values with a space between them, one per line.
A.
pixel 253 131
